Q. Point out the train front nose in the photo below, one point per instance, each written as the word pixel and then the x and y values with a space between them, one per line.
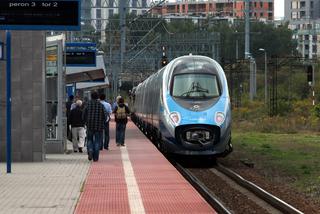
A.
pixel 197 137
pixel 200 136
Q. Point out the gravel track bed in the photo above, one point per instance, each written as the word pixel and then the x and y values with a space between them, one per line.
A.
pixel 235 200
pixel 277 186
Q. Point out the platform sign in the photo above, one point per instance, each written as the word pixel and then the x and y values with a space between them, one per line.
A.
pixel 79 58
pixel 52 61
pixel 40 15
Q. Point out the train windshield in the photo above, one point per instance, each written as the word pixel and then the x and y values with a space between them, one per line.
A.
pixel 195 86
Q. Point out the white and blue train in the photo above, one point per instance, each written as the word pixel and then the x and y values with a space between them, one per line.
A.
pixel 185 107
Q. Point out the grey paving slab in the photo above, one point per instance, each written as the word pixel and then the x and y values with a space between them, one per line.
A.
pixel 52 186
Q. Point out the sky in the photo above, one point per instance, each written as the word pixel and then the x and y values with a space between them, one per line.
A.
pixel 278 9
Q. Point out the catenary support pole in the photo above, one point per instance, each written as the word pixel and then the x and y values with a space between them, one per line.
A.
pixel 8 99
pixel 247 30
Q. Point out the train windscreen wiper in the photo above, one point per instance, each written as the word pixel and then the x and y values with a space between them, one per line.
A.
pixel 187 93
pixel 195 88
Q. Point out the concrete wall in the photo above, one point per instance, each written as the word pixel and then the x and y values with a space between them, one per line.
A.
pixel 28 74
pixel 287 10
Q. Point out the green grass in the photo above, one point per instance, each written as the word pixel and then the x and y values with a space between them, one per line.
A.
pixel 295 157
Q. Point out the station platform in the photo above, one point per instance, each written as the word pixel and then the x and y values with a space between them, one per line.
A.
pixel 137 179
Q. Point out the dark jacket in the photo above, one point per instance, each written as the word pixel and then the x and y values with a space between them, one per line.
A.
pixel 95 116
pixel 125 120
pixel 68 107
pixel 75 117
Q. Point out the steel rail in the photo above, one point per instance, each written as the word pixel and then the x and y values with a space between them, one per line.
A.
pixel 261 193
pixel 201 188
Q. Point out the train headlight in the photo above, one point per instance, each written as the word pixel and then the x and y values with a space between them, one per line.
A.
pixel 175 117
pixel 219 118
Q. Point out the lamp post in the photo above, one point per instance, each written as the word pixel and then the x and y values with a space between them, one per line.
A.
pixel 265 75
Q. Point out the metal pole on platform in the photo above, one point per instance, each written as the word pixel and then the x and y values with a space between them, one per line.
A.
pixel 122 14
pixel 8 99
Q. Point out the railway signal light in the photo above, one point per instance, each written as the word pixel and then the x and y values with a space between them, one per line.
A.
pixel 310 74
pixel 164 61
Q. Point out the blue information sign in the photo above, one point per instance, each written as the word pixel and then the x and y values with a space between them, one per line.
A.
pixel 40 15
pixel 81 54
pixel 79 58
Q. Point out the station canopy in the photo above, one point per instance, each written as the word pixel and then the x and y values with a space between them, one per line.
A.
pixel 88 77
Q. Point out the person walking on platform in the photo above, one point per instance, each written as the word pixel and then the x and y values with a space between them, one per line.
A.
pixel 105 142
pixel 121 113
pixel 68 109
pixel 94 116
pixel 74 104
pixel 77 127
pixel 115 104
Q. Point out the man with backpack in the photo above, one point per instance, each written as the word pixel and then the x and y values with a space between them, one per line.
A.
pixel 94 116
pixel 121 113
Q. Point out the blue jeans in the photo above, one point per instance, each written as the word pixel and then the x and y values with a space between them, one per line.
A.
pixel 120 133
pixel 94 139
pixel 105 142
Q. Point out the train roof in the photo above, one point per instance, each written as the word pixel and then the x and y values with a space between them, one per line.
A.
pixel 195 62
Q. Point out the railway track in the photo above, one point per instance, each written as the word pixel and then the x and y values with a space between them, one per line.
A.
pixel 228 192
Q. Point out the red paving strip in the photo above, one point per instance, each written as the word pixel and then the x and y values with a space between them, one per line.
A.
pixel 105 189
pixel 162 188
